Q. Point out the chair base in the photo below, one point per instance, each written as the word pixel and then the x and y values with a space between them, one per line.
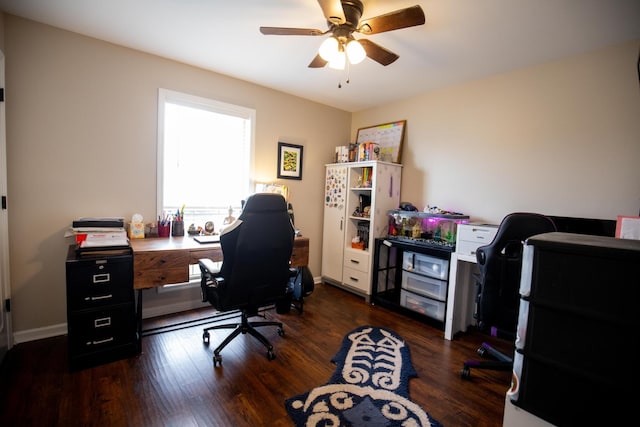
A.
pixel 502 362
pixel 243 327
pixel 298 304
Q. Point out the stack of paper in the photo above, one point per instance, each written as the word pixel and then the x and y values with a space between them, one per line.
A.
pixel 99 232
pixel 105 239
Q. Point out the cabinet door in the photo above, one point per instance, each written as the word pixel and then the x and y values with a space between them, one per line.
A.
pixel 334 221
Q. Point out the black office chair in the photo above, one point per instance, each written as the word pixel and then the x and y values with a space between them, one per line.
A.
pixel 498 285
pixel 255 269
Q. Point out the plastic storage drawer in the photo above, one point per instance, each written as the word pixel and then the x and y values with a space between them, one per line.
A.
pixel 424 285
pixel 426 265
pixel 426 306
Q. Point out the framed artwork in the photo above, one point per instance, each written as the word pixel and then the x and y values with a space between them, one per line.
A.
pixel 388 137
pixel 289 161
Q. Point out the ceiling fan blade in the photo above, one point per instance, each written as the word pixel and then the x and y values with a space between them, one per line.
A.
pixel 378 53
pixel 280 31
pixel 332 10
pixel 402 18
pixel 317 62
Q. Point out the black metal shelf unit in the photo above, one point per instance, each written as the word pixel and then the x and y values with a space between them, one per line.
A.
pixel 391 282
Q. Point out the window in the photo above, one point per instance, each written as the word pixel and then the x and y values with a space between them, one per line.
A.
pixel 204 157
pixel 205 160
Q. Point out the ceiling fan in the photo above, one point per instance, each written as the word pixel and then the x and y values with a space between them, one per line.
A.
pixel 343 19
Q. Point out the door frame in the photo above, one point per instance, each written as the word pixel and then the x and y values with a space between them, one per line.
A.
pixel 6 332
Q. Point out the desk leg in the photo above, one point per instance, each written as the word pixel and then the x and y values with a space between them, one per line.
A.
pixel 449 328
pixel 139 321
pixel 461 301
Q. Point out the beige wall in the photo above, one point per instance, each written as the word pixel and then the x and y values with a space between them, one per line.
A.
pixel 81 141
pixel 561 138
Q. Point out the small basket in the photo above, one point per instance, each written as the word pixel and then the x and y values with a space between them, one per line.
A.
pixel 357 245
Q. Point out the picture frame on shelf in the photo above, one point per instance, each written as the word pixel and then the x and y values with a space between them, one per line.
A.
pixel 289 161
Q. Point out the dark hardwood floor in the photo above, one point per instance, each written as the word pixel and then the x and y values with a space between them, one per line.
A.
pixel 173 382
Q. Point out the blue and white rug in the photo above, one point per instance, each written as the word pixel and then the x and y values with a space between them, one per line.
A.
pixel 370 386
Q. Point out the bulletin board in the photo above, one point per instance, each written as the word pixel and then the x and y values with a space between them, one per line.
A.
pixel 389 136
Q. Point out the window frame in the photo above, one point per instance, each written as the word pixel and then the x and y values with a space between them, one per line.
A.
pixel 172 96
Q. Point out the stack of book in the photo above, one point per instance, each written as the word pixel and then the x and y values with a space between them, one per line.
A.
pixel 99 232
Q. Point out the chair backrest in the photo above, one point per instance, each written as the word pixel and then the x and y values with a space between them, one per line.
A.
pixel 256 254
pixel 500 265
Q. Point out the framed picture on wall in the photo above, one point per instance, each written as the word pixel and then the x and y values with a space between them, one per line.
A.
pixel 289 161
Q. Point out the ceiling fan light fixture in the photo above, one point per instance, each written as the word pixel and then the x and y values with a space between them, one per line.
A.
pixel 355 52
pixel 338 61
pixel 329 49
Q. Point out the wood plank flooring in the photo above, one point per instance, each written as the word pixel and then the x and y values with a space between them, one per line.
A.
pixel 173 382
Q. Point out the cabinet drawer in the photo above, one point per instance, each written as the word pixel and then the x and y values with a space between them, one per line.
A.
pixel 155 268
pixel 464 247
pixel 426 306
pixel 95 330
pixel 96 283
pixel 424 285
pixel 472 236
pixel 357 260
pixel 426 265
pixel 357 279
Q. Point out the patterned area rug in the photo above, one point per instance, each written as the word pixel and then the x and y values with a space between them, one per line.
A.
pixel 370 386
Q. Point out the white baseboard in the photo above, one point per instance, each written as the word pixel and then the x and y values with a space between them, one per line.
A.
pixel 61 328
pixel 40 333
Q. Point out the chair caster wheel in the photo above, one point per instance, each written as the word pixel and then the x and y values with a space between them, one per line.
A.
pixel 465 373
pixel 481 352
pixel 271 355
pixel 281 332
pixel 217 360
pixel 205 338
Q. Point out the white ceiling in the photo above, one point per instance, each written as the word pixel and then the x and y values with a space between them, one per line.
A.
pixel 462 40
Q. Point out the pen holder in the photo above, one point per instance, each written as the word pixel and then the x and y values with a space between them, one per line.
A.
pixel 177 228
pixel 164 229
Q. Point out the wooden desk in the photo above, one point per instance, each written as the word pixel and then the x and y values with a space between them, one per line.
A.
pixel 165 261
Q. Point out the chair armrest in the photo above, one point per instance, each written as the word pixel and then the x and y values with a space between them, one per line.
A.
pixel 209 280
pixel 207 266
pixel 481 256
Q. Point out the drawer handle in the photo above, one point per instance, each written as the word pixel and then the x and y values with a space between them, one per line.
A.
pixel 480 230
pixel 355 279
pixel 355 261
pixel 102 297
pixel 106 340
pixel 104 321
pixel 101 278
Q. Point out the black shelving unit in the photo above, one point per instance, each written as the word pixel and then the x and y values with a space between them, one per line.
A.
pixel 386 286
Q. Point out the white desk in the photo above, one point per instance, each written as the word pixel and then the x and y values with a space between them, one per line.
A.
pixel 461 298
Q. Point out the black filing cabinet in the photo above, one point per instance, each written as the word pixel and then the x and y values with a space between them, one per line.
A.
pixel 101 317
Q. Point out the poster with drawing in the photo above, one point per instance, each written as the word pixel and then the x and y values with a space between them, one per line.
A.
pixel 388 136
